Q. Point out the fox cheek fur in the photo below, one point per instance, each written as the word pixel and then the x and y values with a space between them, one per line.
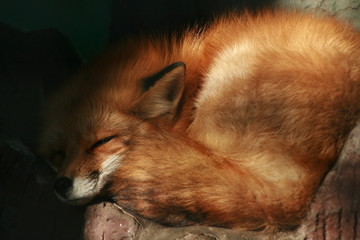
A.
pixel 233 126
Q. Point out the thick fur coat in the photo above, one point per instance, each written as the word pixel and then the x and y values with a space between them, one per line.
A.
pixel 232 126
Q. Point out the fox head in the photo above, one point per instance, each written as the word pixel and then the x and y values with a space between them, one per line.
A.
pixel 89 131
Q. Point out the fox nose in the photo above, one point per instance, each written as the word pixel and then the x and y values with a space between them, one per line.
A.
pixel 62 186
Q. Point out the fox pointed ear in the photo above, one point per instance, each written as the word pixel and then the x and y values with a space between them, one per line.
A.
pixel 162 92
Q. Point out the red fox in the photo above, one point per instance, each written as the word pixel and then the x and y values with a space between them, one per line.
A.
pixel 231 126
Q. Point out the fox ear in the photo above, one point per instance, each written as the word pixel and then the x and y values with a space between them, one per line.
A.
pixel 162 92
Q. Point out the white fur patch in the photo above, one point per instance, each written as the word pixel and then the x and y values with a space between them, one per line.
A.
pixel 85 188
pixel 235 63
pixel 108 167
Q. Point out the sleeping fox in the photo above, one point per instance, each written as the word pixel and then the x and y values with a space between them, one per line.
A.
pixel 231 126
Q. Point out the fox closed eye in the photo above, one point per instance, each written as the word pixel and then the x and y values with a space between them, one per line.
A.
pixel 102 141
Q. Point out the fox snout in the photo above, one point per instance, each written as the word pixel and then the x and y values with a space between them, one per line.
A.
pixel 77 191
pixel 62 187
pixel 80 187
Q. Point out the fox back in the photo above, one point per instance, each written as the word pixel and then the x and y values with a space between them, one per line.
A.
pixel 233 126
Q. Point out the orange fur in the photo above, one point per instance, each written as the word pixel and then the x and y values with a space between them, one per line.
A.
pixel 245 137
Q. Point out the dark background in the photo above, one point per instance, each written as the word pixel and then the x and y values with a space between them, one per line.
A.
pixel 89 23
